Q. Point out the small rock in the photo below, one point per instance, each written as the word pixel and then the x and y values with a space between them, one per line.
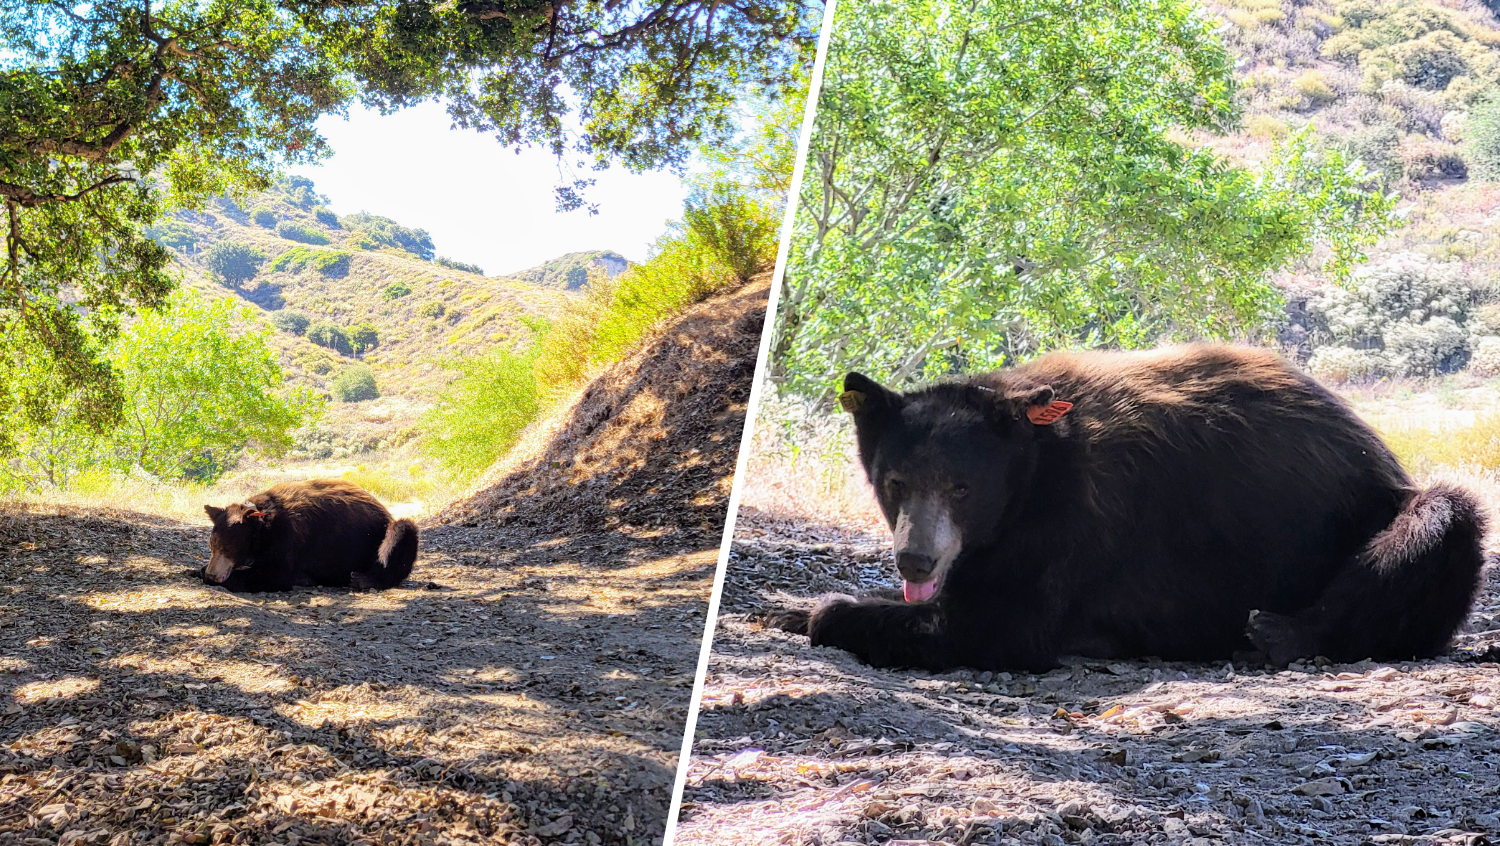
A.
pixel 1254 814
pixel 1321 787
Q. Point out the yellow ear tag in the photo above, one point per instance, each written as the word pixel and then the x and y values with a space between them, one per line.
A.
pixel 852 401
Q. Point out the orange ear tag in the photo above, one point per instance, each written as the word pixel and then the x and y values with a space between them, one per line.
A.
pixel 1046 415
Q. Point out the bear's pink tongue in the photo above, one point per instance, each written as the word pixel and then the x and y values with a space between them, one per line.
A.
pixel 918 591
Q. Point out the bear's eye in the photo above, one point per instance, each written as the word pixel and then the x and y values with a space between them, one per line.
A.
pixel 960 490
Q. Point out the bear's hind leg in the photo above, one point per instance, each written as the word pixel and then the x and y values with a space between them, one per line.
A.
pixel 1402 597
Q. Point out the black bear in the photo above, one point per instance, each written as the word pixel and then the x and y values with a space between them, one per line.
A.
pixel 299 534
pixel 1189 503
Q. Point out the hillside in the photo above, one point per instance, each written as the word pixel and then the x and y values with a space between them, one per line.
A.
pixel 1393 84
pixel 571 272
pixel 353 270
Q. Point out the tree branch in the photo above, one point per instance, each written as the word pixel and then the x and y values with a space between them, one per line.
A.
pixel 26 198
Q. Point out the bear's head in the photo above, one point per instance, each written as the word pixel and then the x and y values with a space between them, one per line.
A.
pixel 232 543
pixel 946 463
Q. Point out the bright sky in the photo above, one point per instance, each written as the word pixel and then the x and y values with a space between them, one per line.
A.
pixel 481 202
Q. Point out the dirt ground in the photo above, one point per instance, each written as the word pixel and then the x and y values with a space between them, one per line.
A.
pixel 528 686
pixel 798 745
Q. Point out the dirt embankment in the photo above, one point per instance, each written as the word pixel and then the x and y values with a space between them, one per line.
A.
pixel 801 745
pixel 529 686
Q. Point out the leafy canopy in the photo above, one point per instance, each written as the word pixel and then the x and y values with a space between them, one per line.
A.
pixel 201 385
pixel 117 112
pixel 988 179
pixel 113 114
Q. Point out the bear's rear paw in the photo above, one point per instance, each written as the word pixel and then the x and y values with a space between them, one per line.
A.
pixel 359 581
pixel 1278 637
pixel 792 620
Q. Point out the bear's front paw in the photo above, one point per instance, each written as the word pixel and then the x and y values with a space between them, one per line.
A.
pixel 1277 637
pixel 359 581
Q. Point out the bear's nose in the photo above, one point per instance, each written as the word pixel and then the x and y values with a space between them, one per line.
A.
pixel 914 566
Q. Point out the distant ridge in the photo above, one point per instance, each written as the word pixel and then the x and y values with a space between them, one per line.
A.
pixel 571 272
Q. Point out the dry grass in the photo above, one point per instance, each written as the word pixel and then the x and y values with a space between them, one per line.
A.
pixel 802 464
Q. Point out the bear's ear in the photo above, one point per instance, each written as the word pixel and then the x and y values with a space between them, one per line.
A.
pixel 213 513
pixel 1039 403
pixel 866 399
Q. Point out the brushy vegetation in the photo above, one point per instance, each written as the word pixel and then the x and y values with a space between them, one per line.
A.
pixel 202 387
pixel 372 232
pixel 363 337
pixel 1405 316
pixel 233 263
pixel 173 234
pixel 1482 136
pixel 301 233
pixel 294 322
pixel 333 263
pixel 484 410
pixel 330 336
pixel 355 383
pixel 725 237
pixel 455 264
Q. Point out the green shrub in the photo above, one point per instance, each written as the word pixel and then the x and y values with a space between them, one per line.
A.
pixel 233 263
pixel 1429 160
pixel 1485 360
pixel 299 191
pixel 1379 148
pixel 330 336
pixel 482 413
pixel 459 265
pixel 363 337
pixel 326 217
pixel 263 216
pixel 1405 316
pixel 294 322
pixel 726 236
pixel 293 231
pixel 1431 61
pixel 432 308
pixel 1314 86
pixel 354 383
pixel 396 290
pixel 1485 320
pixel 201 386
pixel 1342 364
pixel 736 229
pixel 1482 137
pixel 174 234
pixel 373 231
pixel 331 263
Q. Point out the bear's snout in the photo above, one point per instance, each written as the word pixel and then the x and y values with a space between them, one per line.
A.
pixel 915 567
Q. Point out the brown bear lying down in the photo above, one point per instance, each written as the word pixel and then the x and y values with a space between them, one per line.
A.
pixel 1190 503
pixel 300 534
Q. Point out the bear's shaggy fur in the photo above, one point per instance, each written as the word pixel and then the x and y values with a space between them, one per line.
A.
pixel 1193 503
pixel 298 534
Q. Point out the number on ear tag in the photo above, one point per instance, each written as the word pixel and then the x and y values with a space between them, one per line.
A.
pixel 1046 415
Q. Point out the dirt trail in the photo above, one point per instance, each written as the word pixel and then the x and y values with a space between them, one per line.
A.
pixel 801 745
pixel 529 686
